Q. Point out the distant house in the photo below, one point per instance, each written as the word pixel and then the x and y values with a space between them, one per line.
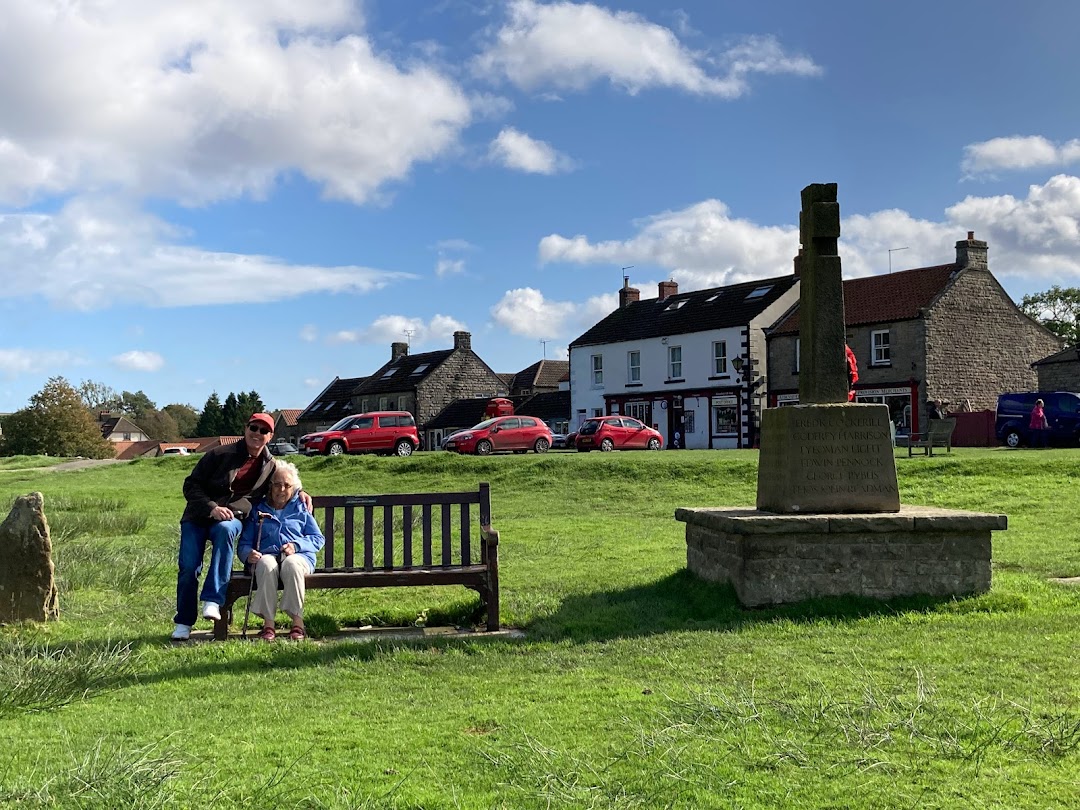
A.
pixel 285 424
pixel 947 332
pixel 1060 371
pixel 689 364
pixel 122 429
pixel 551 406
pixel 332 404
pixel 543 375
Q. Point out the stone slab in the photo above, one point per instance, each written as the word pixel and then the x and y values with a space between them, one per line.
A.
pixel 827 458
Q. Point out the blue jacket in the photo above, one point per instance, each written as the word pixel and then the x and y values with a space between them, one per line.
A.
pixel 296 525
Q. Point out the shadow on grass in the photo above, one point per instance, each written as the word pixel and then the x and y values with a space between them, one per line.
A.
pixel 681 601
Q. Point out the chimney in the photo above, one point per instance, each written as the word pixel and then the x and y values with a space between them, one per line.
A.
pixel 971 252
pixel 798 263
pixel 398 350
pixel 463 341
pixel 628 295
pixel 667 289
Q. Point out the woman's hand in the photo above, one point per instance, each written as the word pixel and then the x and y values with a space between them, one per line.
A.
pixel 288 549
pixel 254 557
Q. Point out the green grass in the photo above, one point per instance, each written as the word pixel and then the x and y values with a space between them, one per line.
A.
pixel 637 686
pixel 28 462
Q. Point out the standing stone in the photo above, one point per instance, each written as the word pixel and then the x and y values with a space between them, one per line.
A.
pixel 27 587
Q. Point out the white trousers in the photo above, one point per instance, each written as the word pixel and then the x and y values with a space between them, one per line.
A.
pixel 292 570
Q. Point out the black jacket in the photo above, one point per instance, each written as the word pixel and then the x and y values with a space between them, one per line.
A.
pixel 210 483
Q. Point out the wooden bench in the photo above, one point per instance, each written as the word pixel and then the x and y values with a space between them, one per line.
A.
pixel 384 541
pixel 938 434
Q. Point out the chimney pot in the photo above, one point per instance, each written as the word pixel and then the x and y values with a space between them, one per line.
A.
pixel 463 341
pixel 628 295
pixel 666 289
pixel 398 350
pixel 971 252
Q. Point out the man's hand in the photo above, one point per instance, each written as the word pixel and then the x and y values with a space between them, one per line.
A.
pixel 305 499
pixel 222 513
pixel 288 549
pixel 254 557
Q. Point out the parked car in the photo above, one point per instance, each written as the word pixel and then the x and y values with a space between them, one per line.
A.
pixel 571 440
pixel 1062 409
pixel 376 432
pixel 616 433
pixel 517 433
pixel 280 447
pixel 176 451
pixel 558 441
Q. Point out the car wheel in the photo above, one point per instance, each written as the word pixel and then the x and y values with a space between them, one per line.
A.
pixel 483 448
pixel 335 449
pixel 541 445
pixel 607 445
pixel 1012 439
pixel 654 443
pixel 403 448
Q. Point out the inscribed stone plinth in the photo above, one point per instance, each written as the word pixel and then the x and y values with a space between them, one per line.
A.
pixel 27 588
pixel 827 458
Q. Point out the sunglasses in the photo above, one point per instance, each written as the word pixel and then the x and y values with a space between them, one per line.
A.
pixel 258 429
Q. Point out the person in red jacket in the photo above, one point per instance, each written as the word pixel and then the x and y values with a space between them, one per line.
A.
pixel 852 372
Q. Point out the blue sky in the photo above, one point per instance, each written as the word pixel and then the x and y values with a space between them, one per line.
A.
pixel 264 194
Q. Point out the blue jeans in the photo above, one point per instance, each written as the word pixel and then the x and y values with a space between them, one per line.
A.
pixel 222 536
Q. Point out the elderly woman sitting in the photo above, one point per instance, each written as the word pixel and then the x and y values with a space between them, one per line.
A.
pixel 287 543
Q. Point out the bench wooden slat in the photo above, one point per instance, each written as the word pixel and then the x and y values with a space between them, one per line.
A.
pixel 406 536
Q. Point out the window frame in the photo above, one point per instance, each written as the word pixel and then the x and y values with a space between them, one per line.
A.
pixel 720 361
pixel 886 346
pixel 632 367
pixel 672 363
pixel 596 370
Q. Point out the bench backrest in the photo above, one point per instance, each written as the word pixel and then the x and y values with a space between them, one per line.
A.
pixel 941 429
pixel 385 532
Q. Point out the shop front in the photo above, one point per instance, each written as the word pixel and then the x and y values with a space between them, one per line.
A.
pixel 714 418
pixel 902 399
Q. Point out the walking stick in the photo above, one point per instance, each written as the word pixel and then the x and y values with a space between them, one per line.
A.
pixel 251 587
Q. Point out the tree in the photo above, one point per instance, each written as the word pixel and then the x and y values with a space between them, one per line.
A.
pixel 232 421
pixel 250 403
pixel 1058 309
pixel 137 404
pixel 97 396
pixel 210 421
pixel 160 425
pixel 56 423
pixel 186 418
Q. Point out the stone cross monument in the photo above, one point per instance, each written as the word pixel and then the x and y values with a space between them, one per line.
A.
pixel 824 454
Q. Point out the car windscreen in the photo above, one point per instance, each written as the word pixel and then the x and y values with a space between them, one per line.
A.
pixel 484 425
pixel 341 424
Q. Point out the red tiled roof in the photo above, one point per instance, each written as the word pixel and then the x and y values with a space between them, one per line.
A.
pixel 885 298
pixel 290 415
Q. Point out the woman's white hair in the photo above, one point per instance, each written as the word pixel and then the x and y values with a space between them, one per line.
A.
pixel 291 471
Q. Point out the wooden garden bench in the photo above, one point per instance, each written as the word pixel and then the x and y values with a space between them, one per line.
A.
pixel 384 541
pixel 938 434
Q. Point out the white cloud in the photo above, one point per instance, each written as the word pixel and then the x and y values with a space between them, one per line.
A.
pixel 139 361
pixel 1017 152
pixel 516 150
pixel 525 311
pixel 449 267
pixel 96 253
pixel 202 100
pixel 570 46
pixel 14 362
pixel 436 333
pixel 309 333
pixel 314 382
pixel 460 245
pixel 704 246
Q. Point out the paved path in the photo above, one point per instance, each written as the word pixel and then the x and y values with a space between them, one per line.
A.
pixel 76 464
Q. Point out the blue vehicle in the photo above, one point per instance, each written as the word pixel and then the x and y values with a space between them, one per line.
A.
pixel 1062 410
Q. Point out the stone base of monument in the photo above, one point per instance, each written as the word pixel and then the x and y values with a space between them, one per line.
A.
pixel 774 559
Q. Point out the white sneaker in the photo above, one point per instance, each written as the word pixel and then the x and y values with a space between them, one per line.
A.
pixel 182 632
pixel 211 610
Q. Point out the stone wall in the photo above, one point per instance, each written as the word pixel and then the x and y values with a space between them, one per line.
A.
pixel 1059 376
pixel 979 344
pixel 462 375
pixel 776 559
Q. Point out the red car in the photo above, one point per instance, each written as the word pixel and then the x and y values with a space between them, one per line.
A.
pixel 377 432
pixel 616 433
pixel 518 433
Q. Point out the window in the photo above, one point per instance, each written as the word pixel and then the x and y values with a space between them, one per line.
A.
pixel 598 369
pixel 364 404
pixel 719 353
pixel 674 362
pixel 633 361
pixel 674 305
pixel 637 410
pixel 879 347
pixel 420 369
pixel 597 411
pixel 528 422
pixel 382 403
pixel 390 372
pixel 688 423
pixel 758 292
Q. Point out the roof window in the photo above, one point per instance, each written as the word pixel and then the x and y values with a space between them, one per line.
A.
pixel 758 292
pixel 420 369
pixel 674 305
pixel 390 372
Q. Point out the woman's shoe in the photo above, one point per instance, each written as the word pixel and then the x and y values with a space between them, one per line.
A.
pixel 268 633
pixel 297 633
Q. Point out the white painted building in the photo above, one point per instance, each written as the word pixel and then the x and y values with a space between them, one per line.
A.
pixel 690 365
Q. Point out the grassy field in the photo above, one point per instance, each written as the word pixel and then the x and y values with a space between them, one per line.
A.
pixel 636 686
